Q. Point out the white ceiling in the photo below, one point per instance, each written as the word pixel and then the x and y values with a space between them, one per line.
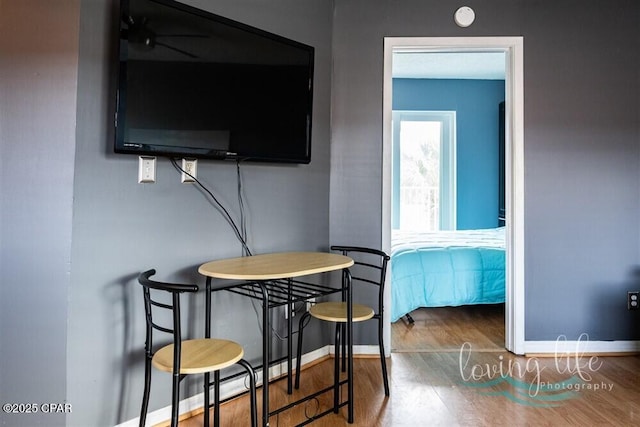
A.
pixel 449 65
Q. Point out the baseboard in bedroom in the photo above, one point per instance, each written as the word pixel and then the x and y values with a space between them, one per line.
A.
pixel 580 347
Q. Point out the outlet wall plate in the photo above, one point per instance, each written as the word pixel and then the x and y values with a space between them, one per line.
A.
pixel 286 311
pixel 633 300
pixel 190 166
pixel 310 302
pixel 146 169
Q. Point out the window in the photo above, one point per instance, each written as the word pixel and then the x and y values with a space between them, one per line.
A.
pixel 424 184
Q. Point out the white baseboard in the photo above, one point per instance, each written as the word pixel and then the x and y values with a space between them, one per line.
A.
pixel 580 346
pixel 359 350
pixel 227 389
pixel 236 386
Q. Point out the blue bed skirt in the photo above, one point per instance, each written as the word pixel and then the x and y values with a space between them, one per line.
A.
pixel 445 276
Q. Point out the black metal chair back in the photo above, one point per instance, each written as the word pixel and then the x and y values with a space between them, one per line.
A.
pixel 216 359
pixel 174 329
pixel 369 268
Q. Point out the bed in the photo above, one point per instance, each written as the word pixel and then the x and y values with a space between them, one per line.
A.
pixel 446 268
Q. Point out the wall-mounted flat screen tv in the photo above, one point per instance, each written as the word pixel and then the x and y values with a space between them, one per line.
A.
pixel 198 85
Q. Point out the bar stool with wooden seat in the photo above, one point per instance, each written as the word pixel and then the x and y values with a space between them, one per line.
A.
pixel 370 267
pixel 185 357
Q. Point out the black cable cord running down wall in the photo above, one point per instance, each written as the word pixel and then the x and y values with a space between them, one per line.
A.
pixel 241 235
pixel 240 232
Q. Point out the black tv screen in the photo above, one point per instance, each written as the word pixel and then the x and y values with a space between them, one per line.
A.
pixel 198 85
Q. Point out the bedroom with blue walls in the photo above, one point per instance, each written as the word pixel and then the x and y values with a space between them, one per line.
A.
pixel 431 268
pixel 476 105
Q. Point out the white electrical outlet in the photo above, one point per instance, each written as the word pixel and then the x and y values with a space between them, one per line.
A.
pixel 310 302
pixel 286 312
pixel 146 169
pixel 190 166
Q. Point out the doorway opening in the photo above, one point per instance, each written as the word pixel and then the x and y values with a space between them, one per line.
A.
pixel 511 48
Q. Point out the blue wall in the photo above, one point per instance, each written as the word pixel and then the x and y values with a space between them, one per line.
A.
pixel 476 105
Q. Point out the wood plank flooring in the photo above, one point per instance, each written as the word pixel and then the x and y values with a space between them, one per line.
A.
pixel 433 383
pixel 447 328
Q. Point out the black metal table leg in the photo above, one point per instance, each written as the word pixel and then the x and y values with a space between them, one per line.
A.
pixel 266 351
pixel 350 345
pixel 207 334
pixel 289 334
pixel 216 400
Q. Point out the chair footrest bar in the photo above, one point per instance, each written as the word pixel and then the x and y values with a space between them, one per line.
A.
pixel 256 368
pixel 320 415
pixel 309 397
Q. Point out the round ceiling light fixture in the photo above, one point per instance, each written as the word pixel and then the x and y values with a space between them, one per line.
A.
pixel 464 16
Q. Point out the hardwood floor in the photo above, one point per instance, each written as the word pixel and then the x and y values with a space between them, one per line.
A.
pixel 447 328
pixel 434 383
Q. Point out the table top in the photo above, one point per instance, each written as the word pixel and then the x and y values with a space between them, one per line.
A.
pixel 280 265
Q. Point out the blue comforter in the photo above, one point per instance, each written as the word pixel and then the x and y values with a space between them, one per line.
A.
pixel 447 272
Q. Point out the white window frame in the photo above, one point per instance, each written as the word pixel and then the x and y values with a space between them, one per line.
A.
pixel 448 173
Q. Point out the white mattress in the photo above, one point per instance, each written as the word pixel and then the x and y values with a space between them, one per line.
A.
pixel 485 238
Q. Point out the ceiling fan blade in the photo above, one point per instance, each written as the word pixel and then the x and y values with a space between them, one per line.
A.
pixel 200 36
pixel 184 52
pixel 128 19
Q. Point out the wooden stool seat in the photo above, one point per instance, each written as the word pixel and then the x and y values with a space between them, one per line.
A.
pixel 199 356
pixel 337 312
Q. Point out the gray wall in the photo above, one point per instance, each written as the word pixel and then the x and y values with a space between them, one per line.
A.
pixel 72 327
pixel 121 227
pixel 70 323
pixel 38 75
pixel 581 152
pixel 582 145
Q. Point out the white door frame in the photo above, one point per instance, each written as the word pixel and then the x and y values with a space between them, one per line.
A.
pixel 514 163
